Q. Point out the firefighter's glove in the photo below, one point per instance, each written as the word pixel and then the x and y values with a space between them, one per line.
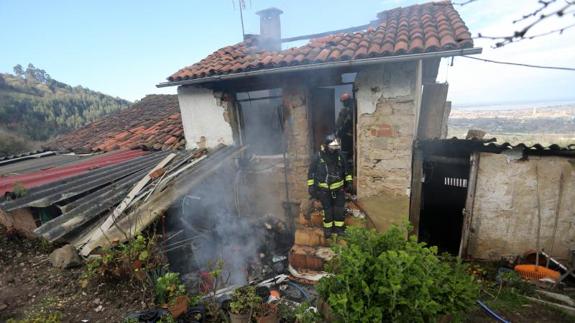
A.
pixel 349 187
pixel 311 191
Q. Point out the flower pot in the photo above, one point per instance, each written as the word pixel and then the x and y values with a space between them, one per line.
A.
pixel 240 318
pixel 179 307
pixel 268 314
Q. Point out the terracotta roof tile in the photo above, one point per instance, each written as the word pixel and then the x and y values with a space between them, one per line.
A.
pixel 151 122
pixel 428 27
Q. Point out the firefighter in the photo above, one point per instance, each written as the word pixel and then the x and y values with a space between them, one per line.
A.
pixel 344 125
pixel 328 180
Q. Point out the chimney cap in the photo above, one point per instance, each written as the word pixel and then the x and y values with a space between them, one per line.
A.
pixel 270 12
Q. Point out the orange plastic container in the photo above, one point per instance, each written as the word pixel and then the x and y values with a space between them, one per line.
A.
pixel 535 272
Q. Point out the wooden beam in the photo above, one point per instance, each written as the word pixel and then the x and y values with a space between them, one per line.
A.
pixel 447 160
pixel 469 204
pixel 432 111
pixel 416 190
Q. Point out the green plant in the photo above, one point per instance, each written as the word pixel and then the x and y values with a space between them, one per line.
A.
pixel 245 300
pixel 304 313
pixel 19 190
pixel 55 317
pixel 390 278
pixel 168 288
pixel 138 259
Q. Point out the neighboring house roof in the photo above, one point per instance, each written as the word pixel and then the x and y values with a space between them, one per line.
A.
pixel 152 123
pixel 429 27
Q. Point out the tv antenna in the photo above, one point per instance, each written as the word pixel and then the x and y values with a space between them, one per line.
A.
pixel 242 7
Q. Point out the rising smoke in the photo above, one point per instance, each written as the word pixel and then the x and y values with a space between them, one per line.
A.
pixel 227 217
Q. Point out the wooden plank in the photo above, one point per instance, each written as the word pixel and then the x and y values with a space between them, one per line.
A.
pixel 432 111
pixel 135 190
pixel 100 231
pixel 416 187
pixel 469 204
pixel 142 216
pixel 444 123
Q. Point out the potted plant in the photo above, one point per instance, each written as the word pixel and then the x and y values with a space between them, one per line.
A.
pixel 243 304
pixel 267 313
pixel 172 294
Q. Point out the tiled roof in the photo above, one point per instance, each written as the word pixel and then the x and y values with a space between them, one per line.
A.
pixel 429 27
pixel 152 123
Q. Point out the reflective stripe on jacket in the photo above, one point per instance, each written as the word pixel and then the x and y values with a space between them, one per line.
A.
pixel 323 177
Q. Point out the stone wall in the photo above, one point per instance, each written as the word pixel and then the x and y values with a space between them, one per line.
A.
pixel 387 100
pixel 504 221
pixel 205 117
pixel 298 136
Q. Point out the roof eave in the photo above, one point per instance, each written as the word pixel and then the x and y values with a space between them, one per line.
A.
pixel 348 63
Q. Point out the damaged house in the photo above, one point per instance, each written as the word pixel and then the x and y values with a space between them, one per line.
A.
pixel 280 102
pixel 252 116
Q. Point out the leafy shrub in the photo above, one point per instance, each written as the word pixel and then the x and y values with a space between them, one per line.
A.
pixel 388 278
pixel 245 300
pixel 133 260
pixel 40 318
pixel 168 288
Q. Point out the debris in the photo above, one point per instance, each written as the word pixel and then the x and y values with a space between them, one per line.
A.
pixel 560 297
pixel 3 306
pixel 98 309
pixel 491 313
pixel 568 309
pixel 65 257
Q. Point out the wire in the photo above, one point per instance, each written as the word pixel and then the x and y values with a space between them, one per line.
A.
pixel 521 64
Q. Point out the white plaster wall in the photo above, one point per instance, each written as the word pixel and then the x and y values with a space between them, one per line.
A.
pixel 203 118
pixel 504 221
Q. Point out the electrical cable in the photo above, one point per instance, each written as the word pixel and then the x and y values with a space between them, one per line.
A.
pixel 572 69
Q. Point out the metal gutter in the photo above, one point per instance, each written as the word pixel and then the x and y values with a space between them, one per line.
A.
pixel 316 66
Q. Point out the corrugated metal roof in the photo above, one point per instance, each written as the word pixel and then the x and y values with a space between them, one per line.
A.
pixel 84 197
pixel 43 176
pixel 466 146
pixel 37 164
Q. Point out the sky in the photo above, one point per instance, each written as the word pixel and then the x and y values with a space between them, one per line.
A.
pixel 124 48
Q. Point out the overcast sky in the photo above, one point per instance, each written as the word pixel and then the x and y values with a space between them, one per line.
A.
pixel 124 48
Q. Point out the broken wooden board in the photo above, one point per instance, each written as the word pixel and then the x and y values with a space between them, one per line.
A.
pixel 144 214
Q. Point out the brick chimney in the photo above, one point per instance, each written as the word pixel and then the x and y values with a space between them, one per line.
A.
pixel 270 29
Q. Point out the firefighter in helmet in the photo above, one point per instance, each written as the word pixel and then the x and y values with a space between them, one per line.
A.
pixel 344 125
pixel 328 180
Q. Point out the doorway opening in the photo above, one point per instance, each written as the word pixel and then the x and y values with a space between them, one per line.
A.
pixel 329 115
pixel 443 198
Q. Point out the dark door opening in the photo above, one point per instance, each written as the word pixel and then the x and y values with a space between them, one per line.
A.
pixel 330 116
pixel 444 193
pixel 322 114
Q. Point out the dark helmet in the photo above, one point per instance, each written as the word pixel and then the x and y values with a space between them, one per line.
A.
pixel 331 143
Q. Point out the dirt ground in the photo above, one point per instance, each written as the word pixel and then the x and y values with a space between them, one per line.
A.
pixel 31 288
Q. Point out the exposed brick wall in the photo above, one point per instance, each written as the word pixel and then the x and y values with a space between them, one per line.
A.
pixel 298 138
pixel 387 100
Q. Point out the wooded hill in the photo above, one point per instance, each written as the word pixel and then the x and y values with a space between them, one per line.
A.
pixel 35 107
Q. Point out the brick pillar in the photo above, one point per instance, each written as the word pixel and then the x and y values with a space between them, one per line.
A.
pixel 298 136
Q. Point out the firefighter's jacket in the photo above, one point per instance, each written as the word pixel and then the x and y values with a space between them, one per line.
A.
pixel 328 172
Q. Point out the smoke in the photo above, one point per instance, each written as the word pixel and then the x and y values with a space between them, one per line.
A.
pixel 227 219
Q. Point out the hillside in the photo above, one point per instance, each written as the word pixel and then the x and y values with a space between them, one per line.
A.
pixel 545 125
pixel 35 107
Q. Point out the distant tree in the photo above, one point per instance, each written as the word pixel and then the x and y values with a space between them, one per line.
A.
pixel 18 70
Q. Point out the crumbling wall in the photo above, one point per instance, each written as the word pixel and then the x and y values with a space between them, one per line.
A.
pixel 205 117
pixel 504 221
pixel 386 103
pixel 387 100
pixel 298 136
